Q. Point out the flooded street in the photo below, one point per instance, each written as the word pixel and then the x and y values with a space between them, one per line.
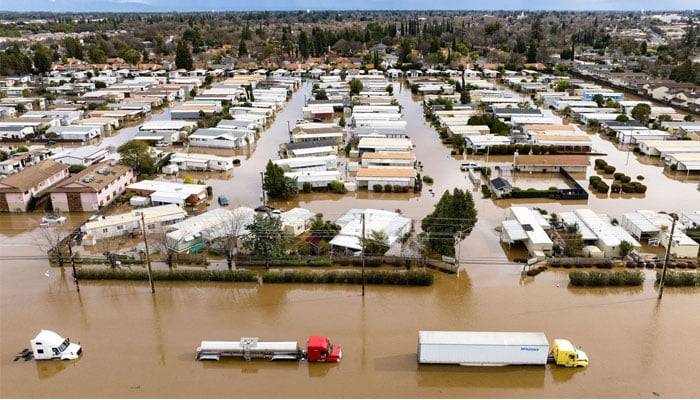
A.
pixel 139 345
pixel 142 345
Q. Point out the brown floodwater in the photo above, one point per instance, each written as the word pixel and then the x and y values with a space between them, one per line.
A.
pixel 142 345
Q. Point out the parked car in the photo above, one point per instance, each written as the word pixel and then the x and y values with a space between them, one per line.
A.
pixel 223 200
pixel 469 165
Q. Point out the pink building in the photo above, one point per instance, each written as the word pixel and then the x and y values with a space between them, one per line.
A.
pixel 92 188
pixel 19 192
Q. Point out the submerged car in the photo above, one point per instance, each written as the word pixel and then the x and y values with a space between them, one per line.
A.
pixel 53 219
pixel 223 200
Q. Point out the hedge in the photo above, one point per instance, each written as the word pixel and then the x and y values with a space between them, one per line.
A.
pixel 294 262
pixel 518 193
pixel 169 275
pixel 597 278
pixel 679 278
pixel 408 278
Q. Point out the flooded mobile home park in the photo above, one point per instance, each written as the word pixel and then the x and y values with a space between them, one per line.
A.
pixel 138 344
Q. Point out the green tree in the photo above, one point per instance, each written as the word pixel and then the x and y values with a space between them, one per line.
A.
pixel 323 229
pixel 685 72
pixel 599 99
pixel 532 52
pixel 342 121
pixel 277 185
pixel 622 118
pixel 131 56
pixel 242 49
pixel 562 86
pixel 266 238
pixel 625 248
pixel 454 216
pixel 42 59
pixel 465 97
pixel 377 243
pixel 136 154
pixel 356 86
pixel 321 95
pixel 183 56
pixel 74 48
pixel 641 113
pixel 96 55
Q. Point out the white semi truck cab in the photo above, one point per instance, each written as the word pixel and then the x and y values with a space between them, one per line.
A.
pixel 49 345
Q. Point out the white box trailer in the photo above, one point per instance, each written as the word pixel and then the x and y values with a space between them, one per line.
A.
pixel 482 348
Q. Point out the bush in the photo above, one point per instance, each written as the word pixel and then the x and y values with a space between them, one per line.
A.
pixel 600 186
pixel 640 177
pixel 609 169
pixel 600 163
pixel 597 278
pixel 679 278
pixel 388 188
pixel 618 175
pixel 337 187
pixel 74 169
pixel 307 187
pixel 639 188
pixel 169 275
pixel 407 278
pixel 377 187
pixel 428 179
pixel 625 179
pixel 593 179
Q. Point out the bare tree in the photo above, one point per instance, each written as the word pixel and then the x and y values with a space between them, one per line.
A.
pixel 231 230
pixel 51 240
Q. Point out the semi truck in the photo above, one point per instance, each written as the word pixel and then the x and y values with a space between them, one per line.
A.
pixel 49 345
pixel 318 349
pixel 496 348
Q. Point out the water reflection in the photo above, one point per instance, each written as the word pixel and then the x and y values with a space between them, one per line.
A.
pixel 456 376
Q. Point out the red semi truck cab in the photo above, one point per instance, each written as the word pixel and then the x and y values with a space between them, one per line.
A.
pixel 320 349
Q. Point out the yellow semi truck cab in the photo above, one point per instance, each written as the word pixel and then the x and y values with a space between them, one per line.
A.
pixel 566 355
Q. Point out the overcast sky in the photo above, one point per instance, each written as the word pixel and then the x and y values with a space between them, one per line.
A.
pixel 246 5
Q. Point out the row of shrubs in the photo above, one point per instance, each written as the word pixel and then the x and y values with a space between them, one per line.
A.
pixel 169 275
pixel 660 264
pixel 407 278
pixel 598 184
pixel 679 278
pixel 531 193
pixel 333 187
pixel 410 278
pixel 390 188
pixel 597 278
pixel 634 187
pixel 623 183
pixel 607 264
pixel 289 263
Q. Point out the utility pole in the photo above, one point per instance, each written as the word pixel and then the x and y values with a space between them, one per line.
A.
pixel 148 255
pixel 363 254
pixel 668 253
pixel 262 180
pixel 72 262
pixel 458 235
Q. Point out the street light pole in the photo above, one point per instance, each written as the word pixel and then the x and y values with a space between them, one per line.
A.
pixel 363 254
pixel 148 256
pixel 668 253
pixel 72 263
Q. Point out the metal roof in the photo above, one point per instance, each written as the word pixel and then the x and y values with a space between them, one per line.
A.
pixel 483 338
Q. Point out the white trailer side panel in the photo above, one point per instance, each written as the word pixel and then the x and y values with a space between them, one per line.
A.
pixel 482 348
